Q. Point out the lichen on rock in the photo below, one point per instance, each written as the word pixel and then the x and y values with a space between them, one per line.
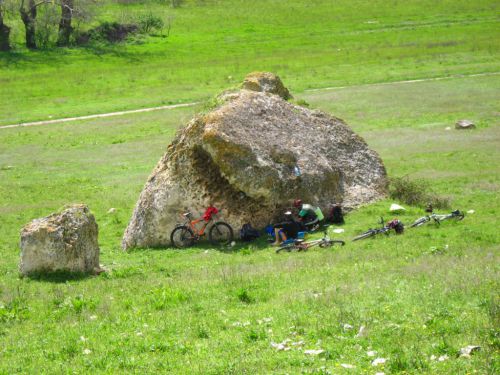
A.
pixel 241 157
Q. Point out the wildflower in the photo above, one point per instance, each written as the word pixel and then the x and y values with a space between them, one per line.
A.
pixel 378 361
pixel 346 365
pixel 314 351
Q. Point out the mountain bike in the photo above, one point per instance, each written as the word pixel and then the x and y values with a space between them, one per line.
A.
pixel 301 245
pixel 395 225
pixel 186 234
pixel 457 215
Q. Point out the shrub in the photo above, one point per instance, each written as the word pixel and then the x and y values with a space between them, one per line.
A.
pixel 416 193
pixel 244 296
pixel 149 23
pixel 112 32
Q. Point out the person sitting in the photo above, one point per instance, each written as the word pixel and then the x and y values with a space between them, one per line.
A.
pixel 286 229
pixel 311 216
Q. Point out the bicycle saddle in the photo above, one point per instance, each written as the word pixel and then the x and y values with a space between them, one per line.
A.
pixel 187 214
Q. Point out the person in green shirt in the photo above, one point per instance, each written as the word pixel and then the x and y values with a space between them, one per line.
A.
pixel 311 216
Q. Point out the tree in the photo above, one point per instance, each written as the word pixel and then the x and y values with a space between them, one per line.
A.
pixel 28 16
pixel 4 31
pixel 65 28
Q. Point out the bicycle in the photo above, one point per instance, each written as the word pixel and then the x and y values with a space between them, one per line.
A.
pixel 395 225
pixel 186 234
pixel 301 245
pixel 457 214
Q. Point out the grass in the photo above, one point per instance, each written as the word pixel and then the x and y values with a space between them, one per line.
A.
pixel 214 44
pixel 428 292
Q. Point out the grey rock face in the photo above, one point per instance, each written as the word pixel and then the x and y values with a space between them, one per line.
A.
pixel 241 158
pixel 65 241
pixel 464 124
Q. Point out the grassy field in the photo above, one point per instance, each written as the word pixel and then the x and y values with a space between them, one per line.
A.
pixel 427 293
pixel 420 296
pixel 214 44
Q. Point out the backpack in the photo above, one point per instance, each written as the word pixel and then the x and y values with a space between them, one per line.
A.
pixel 248 233
pixel 335 215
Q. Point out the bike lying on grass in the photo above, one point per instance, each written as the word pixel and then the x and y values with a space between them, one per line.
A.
pixel 457 215
pixel 301 245
pixel 395 225
pixel 186 234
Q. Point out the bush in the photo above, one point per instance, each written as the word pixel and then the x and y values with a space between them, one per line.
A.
pixel 244 296
pixel 416 193
pixel 149 23
pixel 112 32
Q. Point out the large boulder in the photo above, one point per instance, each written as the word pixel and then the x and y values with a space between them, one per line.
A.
pixel 65 241
pixel 242 157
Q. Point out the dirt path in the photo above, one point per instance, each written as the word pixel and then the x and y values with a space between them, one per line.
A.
pixel 120 113
pixel 110 114
pixel 407 81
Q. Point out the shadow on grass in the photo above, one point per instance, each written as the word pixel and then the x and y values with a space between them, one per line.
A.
pixel 239 247
pixel 20 57
pixel 59 276
pixel 55 56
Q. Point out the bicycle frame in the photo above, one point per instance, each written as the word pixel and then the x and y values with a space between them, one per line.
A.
pixel 192 224
pixel 438 218
pixel 326 240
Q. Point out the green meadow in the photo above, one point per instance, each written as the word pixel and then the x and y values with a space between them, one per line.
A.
pixel 214 44
pixel 420 297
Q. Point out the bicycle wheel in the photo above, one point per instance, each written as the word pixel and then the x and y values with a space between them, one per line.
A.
pixel 325 244
pixel 182 237
pixel 330 243
pixel 221 234
pixel 369 233
pixel 287 247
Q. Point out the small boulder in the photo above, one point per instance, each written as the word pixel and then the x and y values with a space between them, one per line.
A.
pixel 464 124
pixel 396 208
pixel 266 82
pixel 65 241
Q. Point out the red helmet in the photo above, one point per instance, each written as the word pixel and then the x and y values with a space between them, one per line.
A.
pixel 297 203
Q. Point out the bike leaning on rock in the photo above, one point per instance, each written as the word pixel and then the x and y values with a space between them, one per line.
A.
pixel 187 233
